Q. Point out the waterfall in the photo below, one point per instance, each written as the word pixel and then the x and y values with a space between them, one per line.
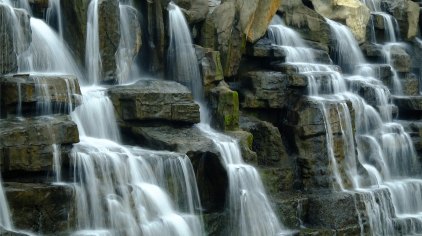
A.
pixel 92 48
pixel 346 52
pixel 5 220
pixel 122 190
pixel 47 53
pixel 126 53
pixel 250 211
pixel 181 61
pixel 389 184
pixel 54 16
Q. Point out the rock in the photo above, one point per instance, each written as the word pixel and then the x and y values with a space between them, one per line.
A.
pixel 373 52
pixel 5 232
pixel 354 13
pixel 224 105
pixel 149 100
pixel 222 33
pixel 369 89
pixel 194 10
pixel 307 22
pixel 407 15
pixel 267 142
pixel 109 38
pixel 27 145
pixel 211 68
pixel 244 139
pixel 42 208
pixel 410 84
pixel 74 26
pixel 215 223
pixel 410 107
pixel 400 60
pixel 292 209
pixel 255 16
pixel 16 35
pixel 38 94
pixel 269 89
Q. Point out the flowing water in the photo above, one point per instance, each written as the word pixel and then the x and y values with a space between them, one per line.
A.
pixel 92 46
pixel 250 211
pixel 54 16
pixel 389 183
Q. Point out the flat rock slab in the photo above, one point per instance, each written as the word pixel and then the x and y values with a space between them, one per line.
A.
pixel 27 144
pixel 41 208
pixel 148 100
pixel 29 91
pixel 410 107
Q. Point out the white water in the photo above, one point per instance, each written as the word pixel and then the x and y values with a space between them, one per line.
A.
pixel 250 212
pixel 47 53
pixel 54 16
pixel 390 184
pixel 92 47
pixel 125 190
pixel 5 220
pixel 183 67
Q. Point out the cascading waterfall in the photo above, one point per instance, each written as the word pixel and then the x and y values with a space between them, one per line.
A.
pixel 250 212
pixel 390 184
pixel 5 220
pixel 122 190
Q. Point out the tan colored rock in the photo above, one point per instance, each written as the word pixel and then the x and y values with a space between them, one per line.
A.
pixel 407 14
pixel 353 13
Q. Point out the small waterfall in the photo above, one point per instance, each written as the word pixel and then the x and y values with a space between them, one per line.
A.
pixel 5 220
pixel 291 42
pixel 346 53
pixel 390 26
pixel 125 54
pixel 47 53
pixel 95 105
pixel 92 49
pixel 250 212
pixel 54 16
pixel 23 4
pixel 181 61
pixel 123 190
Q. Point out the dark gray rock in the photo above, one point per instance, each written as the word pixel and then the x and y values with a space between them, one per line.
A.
pixel 149 100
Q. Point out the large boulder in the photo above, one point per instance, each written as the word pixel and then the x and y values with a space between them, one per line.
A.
pixel 210 65
pixel 353 13
pixel 307 22
pixel 222 33
pixel 255 16
pixel 194 10
pixel 154 100
pixel 406 13
pixel 15 34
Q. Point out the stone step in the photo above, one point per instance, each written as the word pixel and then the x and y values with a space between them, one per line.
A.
pixel 36 94
pixel 26 145
pixel 410 107
pixel 265 49
pixel 155 100
pixel 291 68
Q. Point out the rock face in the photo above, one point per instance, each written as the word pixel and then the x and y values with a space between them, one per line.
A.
pixel 210 65
pixel 353 13
pixel 26 95
pixel 27 145
pixel 407 14
pixel 15 33
pixel 109 37
pixel 195 10
pixel 224 105
pixel 221 32
pixel 42 208
pixel 154 100
pixel 306 21
pixel 74 26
